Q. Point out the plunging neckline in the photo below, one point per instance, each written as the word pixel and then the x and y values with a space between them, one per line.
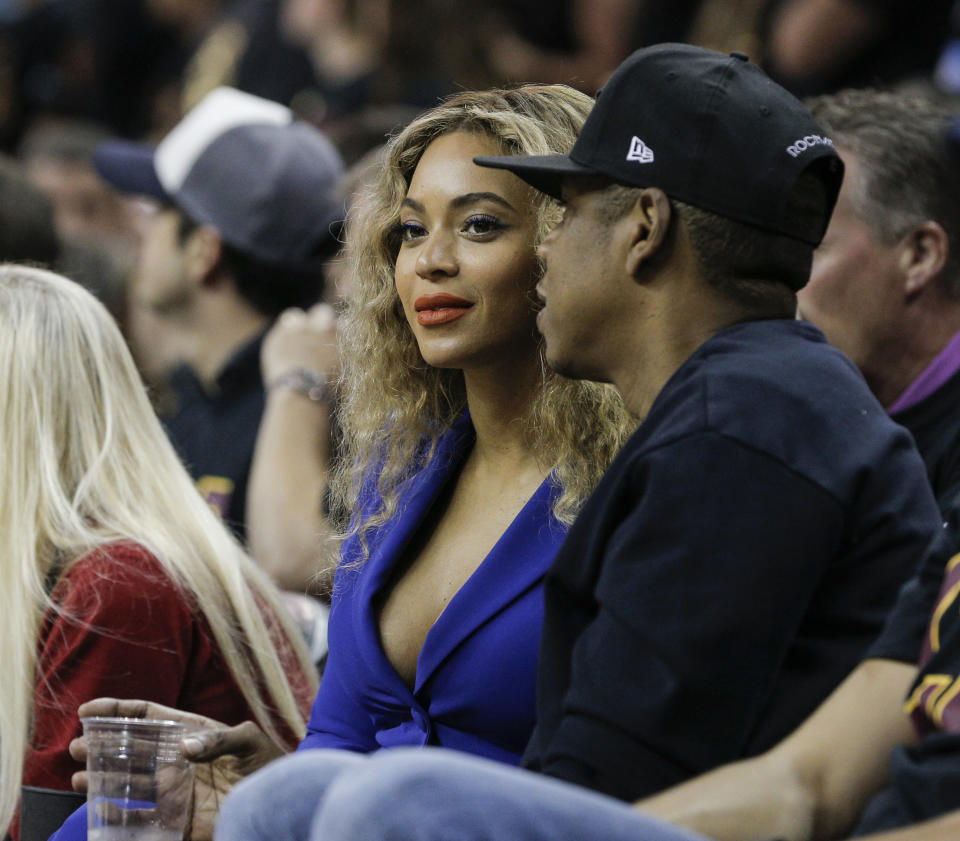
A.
pixel 462 611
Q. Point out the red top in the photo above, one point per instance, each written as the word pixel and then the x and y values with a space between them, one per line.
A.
pixel 126 631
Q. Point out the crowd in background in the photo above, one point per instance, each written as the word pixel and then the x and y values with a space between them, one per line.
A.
pixel 134 66
pixel 75 72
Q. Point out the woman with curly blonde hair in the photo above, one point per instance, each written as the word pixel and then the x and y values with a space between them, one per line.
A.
pixel 465 458
pixel 117 577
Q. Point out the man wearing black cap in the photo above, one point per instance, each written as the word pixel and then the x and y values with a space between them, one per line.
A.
pixel 745 546
pixel 743 549
pixel 248 213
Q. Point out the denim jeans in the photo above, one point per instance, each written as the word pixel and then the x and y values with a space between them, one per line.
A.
pixel 423 794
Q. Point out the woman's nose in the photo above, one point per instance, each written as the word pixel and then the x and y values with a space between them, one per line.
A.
pixel 437 257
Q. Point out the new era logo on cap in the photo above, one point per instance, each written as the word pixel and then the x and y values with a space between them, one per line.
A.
pixel 639 152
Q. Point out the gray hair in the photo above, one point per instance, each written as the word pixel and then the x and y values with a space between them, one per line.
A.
pixel 908 177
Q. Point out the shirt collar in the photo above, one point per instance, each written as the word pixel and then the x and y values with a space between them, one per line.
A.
pixel 944 366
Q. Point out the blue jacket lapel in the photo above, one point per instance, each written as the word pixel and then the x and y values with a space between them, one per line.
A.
pixel 517 562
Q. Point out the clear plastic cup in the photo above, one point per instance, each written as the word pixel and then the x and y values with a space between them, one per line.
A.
pixel 139 783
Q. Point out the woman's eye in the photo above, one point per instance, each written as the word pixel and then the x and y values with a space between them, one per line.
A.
pixel 480 225
pixel 410 231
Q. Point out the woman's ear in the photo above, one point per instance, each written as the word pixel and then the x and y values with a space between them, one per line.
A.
pixel 647 225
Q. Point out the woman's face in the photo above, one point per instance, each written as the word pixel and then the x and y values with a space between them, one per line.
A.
pixel 466 268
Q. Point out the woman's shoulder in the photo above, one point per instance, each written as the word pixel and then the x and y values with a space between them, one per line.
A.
pixel 121 574
pixel 121 560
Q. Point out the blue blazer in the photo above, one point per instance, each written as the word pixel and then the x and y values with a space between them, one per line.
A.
pixel 476 674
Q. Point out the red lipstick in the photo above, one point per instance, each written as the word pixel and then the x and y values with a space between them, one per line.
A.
pixel 440 308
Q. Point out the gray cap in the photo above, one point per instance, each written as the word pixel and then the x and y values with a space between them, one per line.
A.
pixel 266 182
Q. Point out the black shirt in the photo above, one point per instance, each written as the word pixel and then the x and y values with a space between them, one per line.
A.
pixel 215 433
pixel 731 567
pixel 934 423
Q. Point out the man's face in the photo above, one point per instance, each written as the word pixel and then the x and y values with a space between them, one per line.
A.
pixel 855 294
pixel 578 286
pixel 160 283
pixel 85 208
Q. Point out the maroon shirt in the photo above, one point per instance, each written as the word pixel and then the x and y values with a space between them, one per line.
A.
pixel 125 630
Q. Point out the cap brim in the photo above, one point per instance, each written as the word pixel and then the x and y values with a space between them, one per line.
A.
pixel 543 172
pixel 128 167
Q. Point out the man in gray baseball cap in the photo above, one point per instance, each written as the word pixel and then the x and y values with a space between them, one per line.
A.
pixel 247 210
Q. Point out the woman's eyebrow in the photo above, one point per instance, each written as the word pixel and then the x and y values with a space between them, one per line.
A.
pixel 462 201
pixel 473 198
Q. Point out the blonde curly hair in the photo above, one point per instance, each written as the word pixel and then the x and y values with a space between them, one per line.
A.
pixel 394 406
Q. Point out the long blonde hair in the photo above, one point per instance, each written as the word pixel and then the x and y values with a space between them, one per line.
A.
pixel 394 406
pixel 84 462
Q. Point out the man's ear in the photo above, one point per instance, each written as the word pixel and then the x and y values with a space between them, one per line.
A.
pixel 647 223
pixel 202 252
pixel 923 254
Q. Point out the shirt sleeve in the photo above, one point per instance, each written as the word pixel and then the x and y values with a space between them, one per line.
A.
pixel 339 718
pixel 906 626
pixel 705 585
pixel 123 629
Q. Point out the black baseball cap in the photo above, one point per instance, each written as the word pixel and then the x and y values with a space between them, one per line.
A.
pixel 710 130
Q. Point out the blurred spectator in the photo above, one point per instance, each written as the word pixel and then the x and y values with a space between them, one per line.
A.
pixel 885 283
pixel 577 42
pixel 580 41
pixel 723 25
pixel 27 232
pixel 287 521
pixel 238 43
pixel 270 65
pixel 248 215
pixel 58 156
pixel 139 64
pixel 818 46
pixel 344 41
pixel 28 235
pixel 50 56
pixel 372 53
pixel 95 224
pixel 89 59
pixel 289 526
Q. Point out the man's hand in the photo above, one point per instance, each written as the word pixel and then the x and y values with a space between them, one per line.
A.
pixel 302 340
pixel 221 755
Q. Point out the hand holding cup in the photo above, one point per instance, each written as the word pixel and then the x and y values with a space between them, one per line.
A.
pixel 220 755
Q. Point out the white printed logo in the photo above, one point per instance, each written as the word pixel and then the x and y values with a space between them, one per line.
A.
pixel 807 142
pixel 640 152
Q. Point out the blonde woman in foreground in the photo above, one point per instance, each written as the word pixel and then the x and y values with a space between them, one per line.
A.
pixel 117 577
